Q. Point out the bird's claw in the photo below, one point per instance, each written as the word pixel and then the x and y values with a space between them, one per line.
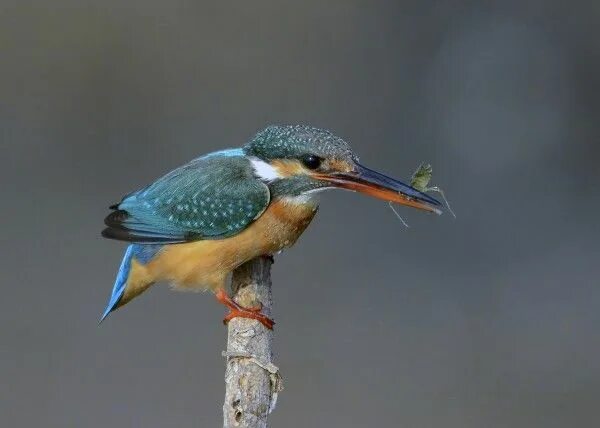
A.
pixel 238 311
pixel 252 313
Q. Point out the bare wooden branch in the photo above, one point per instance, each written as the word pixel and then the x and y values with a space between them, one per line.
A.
pixel 252 381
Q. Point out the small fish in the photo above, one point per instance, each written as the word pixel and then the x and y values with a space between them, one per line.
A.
pixel 420 180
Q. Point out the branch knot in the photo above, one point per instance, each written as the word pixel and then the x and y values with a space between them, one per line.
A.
pixel 275 376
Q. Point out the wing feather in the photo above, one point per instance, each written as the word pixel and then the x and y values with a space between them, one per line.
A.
pixel 210 198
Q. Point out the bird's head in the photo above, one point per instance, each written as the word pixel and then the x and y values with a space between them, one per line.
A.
pixel 298 160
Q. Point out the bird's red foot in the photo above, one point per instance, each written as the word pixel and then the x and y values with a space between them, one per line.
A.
pixel 254 314
pixel 236 310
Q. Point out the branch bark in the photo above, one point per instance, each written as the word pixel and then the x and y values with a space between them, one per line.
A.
pixel 252 381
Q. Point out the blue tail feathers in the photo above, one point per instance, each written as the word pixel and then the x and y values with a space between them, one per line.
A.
pixel 143 254
pixel 119 287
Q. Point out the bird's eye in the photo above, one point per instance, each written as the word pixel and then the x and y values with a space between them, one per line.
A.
pixel 311 161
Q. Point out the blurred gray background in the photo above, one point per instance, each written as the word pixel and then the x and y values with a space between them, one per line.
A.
pixel 489 320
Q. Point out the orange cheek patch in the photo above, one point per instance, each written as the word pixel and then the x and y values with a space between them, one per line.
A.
pixel 339 165
pixel 291 167
pixel 288 167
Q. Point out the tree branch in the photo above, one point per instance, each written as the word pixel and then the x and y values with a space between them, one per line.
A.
pixel 252 381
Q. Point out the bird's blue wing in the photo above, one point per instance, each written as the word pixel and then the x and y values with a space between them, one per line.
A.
pixel 212 197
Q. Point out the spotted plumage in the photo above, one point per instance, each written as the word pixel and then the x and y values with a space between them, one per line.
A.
pixel 217 196
pixel 196 224
pixel 291 142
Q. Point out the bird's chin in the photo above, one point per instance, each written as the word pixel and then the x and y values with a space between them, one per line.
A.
pixel 311 196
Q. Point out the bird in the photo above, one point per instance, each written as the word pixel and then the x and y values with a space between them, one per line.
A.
pixel 193 226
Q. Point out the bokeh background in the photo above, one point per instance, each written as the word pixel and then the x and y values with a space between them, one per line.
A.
pixel 489 320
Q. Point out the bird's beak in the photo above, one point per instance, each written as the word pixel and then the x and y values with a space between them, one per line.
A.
pixel 373 183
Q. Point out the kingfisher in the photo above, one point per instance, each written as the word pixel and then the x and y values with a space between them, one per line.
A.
pixel 195 225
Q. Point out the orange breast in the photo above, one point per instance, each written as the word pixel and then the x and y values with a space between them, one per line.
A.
pixel 205 264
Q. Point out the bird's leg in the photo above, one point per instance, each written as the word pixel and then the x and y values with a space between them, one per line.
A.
pixel 236 310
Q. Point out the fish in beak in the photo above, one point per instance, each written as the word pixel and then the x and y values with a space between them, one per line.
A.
pixel 364 180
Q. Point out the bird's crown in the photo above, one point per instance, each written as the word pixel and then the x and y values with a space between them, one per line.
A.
pixel 296 142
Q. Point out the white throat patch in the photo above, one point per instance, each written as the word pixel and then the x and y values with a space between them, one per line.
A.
pixel 311 196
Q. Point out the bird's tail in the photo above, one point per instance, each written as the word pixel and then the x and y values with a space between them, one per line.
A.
pixel 133 277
